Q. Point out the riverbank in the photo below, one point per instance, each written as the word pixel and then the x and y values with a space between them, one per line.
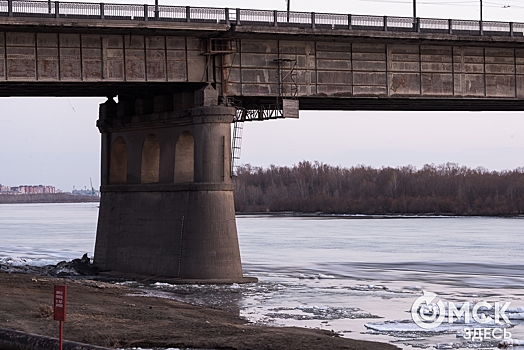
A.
pixel 46 198
pixel 111 315
pixel 368 216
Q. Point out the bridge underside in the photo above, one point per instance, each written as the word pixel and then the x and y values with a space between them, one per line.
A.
pixel 253 67
pixel 321 103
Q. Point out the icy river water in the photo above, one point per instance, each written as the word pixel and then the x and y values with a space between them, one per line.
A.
pixel 357 276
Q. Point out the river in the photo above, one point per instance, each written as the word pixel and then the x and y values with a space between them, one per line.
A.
pixel 357 276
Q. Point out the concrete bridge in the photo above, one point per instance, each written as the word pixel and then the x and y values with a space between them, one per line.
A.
pixel 183 75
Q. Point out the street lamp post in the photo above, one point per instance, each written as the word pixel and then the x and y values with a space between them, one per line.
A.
pixel 481 10
pixel 481 29
pixel 288 7
pixel 156 9
pixel 415 22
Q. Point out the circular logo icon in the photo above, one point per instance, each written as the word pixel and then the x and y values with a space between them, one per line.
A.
pixel 427 314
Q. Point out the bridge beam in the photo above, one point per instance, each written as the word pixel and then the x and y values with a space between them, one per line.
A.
pixel 167 195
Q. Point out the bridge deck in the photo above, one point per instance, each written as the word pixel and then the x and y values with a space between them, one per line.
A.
pixel 202 15
pixel 327 61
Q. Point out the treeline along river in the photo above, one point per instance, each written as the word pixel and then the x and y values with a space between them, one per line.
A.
pixel 433 189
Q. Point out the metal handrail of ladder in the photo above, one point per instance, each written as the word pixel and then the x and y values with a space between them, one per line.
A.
pixel 236 140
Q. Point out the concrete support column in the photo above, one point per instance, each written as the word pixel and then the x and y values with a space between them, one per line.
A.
pixel 210 241
pixel 179 228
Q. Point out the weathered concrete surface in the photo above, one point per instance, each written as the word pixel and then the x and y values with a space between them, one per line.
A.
pixel 46 57
pixel 159 225
pixel 379 69
pixel 323 69
pixel 188 234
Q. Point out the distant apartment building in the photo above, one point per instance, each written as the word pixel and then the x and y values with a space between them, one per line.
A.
pixel 27 189
pixel 36 189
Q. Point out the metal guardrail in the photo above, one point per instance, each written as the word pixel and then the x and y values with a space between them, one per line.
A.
pixel 103 11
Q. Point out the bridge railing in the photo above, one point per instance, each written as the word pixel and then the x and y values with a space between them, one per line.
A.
pixel 466 25
pixel 434 25
pixel 371 22
pixel 117 11
pixel 502 27
pixel 257 17
pixel 328 21
pixel 175 13
pixel 517 28
pixel 400 23
pixel 333 21
pixel 80 10
pixel 296 19
pixel 33 8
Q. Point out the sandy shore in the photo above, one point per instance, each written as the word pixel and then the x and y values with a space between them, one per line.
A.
pixel 109 315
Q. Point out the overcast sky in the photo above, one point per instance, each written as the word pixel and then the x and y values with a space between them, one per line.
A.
pixel 54 141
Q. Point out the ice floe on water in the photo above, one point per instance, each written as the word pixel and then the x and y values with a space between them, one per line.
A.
pixel 511 342
pixel 307 312
pixel 7 262
pixel 410 334
pixel 466 345
pixel 47 267
pixel 408 326
pixel 318 276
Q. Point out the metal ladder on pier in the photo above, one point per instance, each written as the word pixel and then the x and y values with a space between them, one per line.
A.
pixel 236 142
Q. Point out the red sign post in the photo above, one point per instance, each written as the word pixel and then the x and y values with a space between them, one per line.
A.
pixel 60 307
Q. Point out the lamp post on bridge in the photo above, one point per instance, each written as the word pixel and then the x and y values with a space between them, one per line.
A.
pixel 288 7
pixel 416 26
pixel 156 9
pixel 481 29
pixel 481 10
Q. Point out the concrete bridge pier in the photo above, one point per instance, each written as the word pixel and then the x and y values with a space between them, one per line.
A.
pixel 167 204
